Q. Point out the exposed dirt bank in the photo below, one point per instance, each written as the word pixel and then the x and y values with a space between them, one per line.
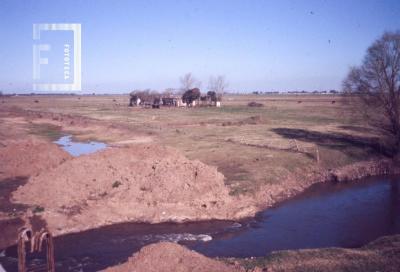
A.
pixel 29 157
pixel 171 257
pixel 380 255
pixel 271 194
pixel 144 183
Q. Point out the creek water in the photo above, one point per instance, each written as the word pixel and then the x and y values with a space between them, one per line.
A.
pixel 326 215
pixel 79 148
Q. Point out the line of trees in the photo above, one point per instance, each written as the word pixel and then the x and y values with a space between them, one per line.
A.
pixel 217 84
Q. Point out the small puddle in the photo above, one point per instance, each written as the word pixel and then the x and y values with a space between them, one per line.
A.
pixel 79 148
pixel 326 215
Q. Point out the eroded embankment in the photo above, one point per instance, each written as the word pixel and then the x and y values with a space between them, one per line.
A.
pixel 271 194
pixel 143 183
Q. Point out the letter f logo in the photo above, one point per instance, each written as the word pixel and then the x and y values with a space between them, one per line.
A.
pixel 37 60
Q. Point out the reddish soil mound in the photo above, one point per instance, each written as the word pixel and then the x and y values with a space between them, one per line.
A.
pixel 143 183
pixel 171 257
pixel 29 157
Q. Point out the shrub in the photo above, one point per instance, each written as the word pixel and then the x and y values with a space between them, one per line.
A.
pixel 191 95
pixel 255 104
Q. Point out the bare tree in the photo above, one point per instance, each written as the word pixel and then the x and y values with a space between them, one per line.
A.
pixel 217 84
pixel 188 81
pixel 375 86
pixel 168 92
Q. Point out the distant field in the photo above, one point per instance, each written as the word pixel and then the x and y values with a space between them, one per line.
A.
pixel 251 146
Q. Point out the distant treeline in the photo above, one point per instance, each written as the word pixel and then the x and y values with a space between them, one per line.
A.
pixel 297 92
pixel 32 94
pixel 170 92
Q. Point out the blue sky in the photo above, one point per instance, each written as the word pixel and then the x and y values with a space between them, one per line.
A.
pixel 257 45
